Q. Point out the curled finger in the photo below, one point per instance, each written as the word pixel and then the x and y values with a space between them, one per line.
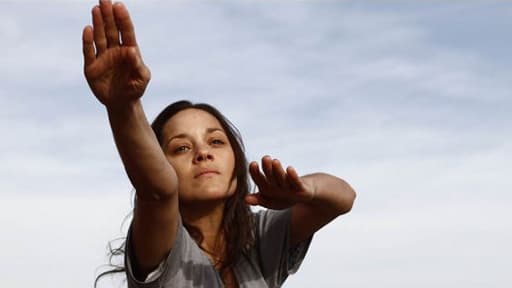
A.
pixel 279 174
pixel 294 179
pixel 266 165
pixel 258 177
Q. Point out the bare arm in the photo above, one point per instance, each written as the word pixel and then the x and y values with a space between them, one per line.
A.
pixel 333 197
pixel 156 206
pixel 315 199
pixel 118 77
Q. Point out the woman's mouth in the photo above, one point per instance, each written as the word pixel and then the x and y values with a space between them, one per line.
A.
pixel 206 173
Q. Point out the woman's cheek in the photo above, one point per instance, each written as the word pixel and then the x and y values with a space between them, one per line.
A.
pixel 232 186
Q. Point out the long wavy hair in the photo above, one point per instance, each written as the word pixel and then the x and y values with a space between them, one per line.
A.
pixel 237 221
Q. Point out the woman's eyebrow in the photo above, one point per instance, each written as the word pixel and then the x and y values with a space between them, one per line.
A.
pixel 179 136
pixel 185 135
pixel 211 130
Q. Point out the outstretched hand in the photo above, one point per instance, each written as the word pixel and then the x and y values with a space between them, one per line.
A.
pixel 113 65
pixel 278 189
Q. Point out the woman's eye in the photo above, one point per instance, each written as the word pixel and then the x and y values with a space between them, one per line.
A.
pixel 181 149
pixel 217 142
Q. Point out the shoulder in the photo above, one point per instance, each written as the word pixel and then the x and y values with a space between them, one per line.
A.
pixel 178 269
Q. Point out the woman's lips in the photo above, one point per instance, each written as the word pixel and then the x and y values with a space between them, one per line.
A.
pixel 205 173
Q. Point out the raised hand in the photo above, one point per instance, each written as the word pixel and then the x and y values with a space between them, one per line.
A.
pixel 113 65
pixel 278 189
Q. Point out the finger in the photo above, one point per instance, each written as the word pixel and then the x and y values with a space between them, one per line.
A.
pixel 111 31
pixel 266 165
pixel 257 176
pixel 279 174
pixel 294 179
pixel 88 46
pixel 99 30
pixel 125 25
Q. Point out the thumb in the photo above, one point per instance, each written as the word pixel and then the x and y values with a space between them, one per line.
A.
pixel 258 199
pixel 251 199
pixel 135 61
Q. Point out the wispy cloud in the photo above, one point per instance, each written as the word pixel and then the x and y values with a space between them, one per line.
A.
pixel 408 103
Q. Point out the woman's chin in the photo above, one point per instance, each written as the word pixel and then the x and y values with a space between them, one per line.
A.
pixel 206 195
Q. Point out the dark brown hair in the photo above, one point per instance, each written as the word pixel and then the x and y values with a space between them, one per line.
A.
pixel 237 222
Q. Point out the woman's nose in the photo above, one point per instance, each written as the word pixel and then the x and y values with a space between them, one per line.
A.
pixel 203 154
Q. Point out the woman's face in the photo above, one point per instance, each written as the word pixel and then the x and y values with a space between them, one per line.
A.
pixel 198 148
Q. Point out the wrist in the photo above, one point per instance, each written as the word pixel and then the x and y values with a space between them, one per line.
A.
pixel 124 109
pixel 311 187
pixel 128 118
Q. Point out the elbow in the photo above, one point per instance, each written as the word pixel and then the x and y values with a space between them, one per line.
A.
pixel 156 191
pixel 348 199
pixel 159 186
pixel 351 201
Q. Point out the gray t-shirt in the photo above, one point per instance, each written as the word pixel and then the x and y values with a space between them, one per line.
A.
pixel 267 264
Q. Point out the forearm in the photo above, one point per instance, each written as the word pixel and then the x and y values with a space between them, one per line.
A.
pixel 145 163
pixel 332 195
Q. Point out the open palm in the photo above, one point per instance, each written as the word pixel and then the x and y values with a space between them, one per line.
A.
pixel 113 65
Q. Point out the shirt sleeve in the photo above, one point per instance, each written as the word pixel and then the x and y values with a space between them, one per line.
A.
pixel 165 269
pixel 171 269
pixel 277 258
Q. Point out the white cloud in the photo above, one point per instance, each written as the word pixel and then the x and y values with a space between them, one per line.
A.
pixel 419 128
pixel 64 236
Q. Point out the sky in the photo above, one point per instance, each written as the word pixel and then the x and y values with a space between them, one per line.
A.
pixel 407 101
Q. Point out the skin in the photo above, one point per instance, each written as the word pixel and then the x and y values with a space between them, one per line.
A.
pixel 198 148
pixel 195 142
pixel 165 177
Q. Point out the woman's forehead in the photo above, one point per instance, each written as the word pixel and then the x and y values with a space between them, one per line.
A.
pixel 192 119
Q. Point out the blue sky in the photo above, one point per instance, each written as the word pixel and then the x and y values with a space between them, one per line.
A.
pixel 408 102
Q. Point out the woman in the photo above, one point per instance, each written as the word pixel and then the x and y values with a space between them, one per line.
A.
pixel 192 225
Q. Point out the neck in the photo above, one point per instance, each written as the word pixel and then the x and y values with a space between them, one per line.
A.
pixel 207 218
